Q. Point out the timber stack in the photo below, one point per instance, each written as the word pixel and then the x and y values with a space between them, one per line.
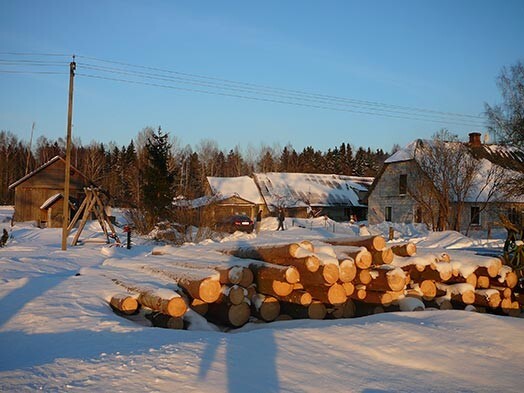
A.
pixel 336 278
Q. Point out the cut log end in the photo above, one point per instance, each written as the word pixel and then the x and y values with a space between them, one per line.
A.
pixel 317 310
pixel 176 307
pixel 124 303
pixel 238 314
pixel 209 290
pixel 270 309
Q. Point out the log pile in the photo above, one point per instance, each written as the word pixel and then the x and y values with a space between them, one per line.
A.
pixel 486 285
pixel 337 278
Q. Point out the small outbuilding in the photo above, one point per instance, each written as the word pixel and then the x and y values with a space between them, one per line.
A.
pixel 39 194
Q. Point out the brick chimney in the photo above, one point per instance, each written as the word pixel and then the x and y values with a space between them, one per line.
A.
pixel 474 139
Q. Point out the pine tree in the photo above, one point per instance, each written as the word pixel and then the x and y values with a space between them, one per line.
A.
pixel 157 180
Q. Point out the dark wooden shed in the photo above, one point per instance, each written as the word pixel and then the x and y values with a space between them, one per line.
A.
pixel 39 194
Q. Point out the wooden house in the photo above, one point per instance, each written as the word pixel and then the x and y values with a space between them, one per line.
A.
pixel 235 195
pixel 403 193
pixel 39 194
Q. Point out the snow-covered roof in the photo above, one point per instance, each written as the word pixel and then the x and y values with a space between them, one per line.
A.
pixel 51 200
pixel 307 189
pixel 507 160
pixel 198 202
pixel 242 186
pixel 405 154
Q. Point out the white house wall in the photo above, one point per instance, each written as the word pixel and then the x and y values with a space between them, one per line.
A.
pixel 386 193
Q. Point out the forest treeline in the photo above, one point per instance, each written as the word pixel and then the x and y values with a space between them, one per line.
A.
pixel 124 172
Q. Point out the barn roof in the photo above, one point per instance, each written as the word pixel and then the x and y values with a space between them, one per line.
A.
pixel 307 189
pixel 41 168
pixel 242 186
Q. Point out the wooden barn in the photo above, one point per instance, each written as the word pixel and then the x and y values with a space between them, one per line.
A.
pixel 39 194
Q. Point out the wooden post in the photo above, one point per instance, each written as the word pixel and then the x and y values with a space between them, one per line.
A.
pixel 65 219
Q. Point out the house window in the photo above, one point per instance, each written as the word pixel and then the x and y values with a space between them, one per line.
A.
pixel 403 184
pixel 475 215
pixel 388 212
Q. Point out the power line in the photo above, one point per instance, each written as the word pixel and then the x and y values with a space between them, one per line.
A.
pixel 32 72
pixel 154 76
pixel 280 89
pixel 265 99
pixel 230 88
pixel 35 54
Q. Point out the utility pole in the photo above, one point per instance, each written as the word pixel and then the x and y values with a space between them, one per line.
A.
pixel 65 223
pixel 29 150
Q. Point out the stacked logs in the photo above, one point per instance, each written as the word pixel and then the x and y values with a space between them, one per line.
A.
pixel 484 285
pixel 336 278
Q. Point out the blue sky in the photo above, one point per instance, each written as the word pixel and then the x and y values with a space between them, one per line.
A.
pixel 438 55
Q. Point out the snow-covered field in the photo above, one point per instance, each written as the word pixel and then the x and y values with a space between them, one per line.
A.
pixel 57 332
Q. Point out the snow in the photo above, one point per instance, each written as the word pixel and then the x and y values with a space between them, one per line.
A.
pixel 488 174
pixel 405 154
pixel 301 190
pixel 58 333
pixel 243 186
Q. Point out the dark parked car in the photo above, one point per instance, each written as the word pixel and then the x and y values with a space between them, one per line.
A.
pixel 237 222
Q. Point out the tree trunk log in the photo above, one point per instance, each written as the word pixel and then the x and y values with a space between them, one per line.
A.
pixel 197 286
pixel 404 250
pixel 230 275
pixel 487 298
pixel 346 310
pixel 162 300
pixel 199 306
pixel 327 274
pixel 265 307
pixel 124 303
pixel 382 279
pixel 174 306
pixel 505 292
pixel 310 262
pixel 374 243
pixel 233 294
pixel 273 287
pixel 483 282
pixel 298 296
pixel 349 288
pixel 275 252
pixel 247 278
pixel 382 257
pixel 510 280
pixel 347 270
pixel 234 315
pixel 471 279
pixel 267 271
pixel 360 255
pixel 334 294
pixel 316 310
pixel 509 307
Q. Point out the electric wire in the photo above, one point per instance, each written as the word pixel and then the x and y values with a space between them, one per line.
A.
pixel 230 88
pixel 250 91
pixel 280 89
pixel 259 98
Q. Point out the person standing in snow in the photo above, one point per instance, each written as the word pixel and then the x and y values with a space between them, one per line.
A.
pixel 281 218
pixel 258 221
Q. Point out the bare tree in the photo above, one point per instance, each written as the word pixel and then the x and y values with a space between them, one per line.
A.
pixel 451 169
pixel 506 120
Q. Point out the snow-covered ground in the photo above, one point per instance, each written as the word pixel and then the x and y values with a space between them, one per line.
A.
pixel 57 332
